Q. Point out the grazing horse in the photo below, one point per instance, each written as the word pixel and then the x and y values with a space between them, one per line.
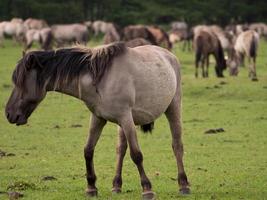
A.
pixel 138 31
pixel 137 42
pixel 38 24
pixel 70 33
pixel 127 86
pixel 161 36
pixel 246 45
pixel 14 29
pixel 206 43
pixel 43 37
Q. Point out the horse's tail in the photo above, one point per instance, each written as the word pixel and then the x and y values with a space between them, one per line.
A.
pixel 147 127
pixel 221 55
pixel 47 41
pixel 199 48
pixel 253 47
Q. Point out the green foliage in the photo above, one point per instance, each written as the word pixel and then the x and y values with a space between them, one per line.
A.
pixel 126 12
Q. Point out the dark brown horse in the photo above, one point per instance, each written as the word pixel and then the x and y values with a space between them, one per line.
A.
pixel 127 86
pixel 206 43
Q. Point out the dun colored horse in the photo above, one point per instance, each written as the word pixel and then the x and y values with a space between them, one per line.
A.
pixel 206 43
pixel 127 86
pixel 246 45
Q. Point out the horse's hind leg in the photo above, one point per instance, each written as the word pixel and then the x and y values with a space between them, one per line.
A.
pixel 97 125
pixel 121 150
pixel 173 116
pixel 252 68
pixel 207 67
pixel 203 66
pixel 128 128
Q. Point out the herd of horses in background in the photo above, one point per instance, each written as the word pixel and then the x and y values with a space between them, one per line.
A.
pixel 229 45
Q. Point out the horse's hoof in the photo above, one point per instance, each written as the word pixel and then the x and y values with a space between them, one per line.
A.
pixel 91 192
pixel 149 195
pixel 254 79
pixel 184 191
pixel 116 190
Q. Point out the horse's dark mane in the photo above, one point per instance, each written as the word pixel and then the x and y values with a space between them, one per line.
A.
pixel 62 65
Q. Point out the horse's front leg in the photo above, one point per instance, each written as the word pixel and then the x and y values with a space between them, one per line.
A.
pixel 96 128
pixel 128 128
pixel 121 150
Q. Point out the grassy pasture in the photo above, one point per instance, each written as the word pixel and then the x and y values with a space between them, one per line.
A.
pixel 227 165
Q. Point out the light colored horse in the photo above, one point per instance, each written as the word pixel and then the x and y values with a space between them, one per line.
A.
pixel 260 28
pixel 246 45
pixel 99 26
pixel 127 86
pixel 42 36
pixel 70 33
pixel 31 23
pixel 14 29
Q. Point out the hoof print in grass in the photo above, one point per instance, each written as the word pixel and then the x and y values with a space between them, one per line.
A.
pixel 223 83
pixel 76 126
pixel 2 153
pixel 10 154
pixel 217 86
pixel 202 169
pixel 49 178
pixel 14 195
pixel 20 185
pixel 214 131
pixel 6 86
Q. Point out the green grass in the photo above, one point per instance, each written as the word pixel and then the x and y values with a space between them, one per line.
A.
pixel 228 165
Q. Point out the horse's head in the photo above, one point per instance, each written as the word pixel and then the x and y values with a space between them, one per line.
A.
pixel 233 62
pixel 28 90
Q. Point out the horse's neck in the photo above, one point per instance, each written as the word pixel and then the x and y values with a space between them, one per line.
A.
pixel 82 89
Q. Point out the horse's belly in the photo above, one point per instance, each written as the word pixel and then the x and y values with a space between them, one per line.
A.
pixel 154 93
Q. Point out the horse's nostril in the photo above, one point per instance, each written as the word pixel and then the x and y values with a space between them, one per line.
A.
pixel 17 118
pixel 7 115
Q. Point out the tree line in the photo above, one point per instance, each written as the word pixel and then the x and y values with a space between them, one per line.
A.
pixel 125 12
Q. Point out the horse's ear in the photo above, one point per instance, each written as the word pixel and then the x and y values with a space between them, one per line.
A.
pixel 32 62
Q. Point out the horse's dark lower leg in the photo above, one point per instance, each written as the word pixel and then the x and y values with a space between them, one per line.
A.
pixel 173 116
pixel 203 66
pixel 97 125
pixel 207 67
pixel 128 127
pixel 121 150
pixel 253 69
pixel 196 65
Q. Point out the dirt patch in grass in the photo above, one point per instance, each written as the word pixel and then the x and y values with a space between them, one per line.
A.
pixel 21 185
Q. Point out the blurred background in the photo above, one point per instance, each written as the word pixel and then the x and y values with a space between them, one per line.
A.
pixel 125 12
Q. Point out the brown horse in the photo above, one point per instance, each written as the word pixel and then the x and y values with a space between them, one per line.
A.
pixel 137 42
pixel 206 43
pixel 127 86
pixel 161 36
pixel 138 31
